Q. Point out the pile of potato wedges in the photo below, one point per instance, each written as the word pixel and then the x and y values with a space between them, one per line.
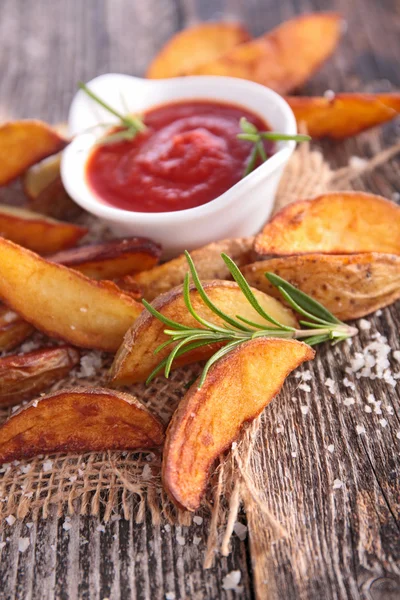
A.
pixel 343 249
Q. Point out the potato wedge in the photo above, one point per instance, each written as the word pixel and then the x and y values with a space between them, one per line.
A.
pixel 77 421
pixel 130 286
pixel 194 47
pixel 208 261
pixel 236 390
pixel 344 115
pixel 54 201
pixel 112 259
pixel 334 223
pixel 348 285
pixel 135 359
pixel 24 143
pixel 39 176
pixel 37 232
pixel 63 303
pixel 13 329
pixel 23 376
pixel 284 58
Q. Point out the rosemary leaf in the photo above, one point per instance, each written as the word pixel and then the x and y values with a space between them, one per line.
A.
pixel 161 317
pixel 219 354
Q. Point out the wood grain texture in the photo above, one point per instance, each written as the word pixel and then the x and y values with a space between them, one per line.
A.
pixel 342 543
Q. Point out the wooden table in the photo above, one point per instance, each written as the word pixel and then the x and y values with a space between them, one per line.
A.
pixel 344 542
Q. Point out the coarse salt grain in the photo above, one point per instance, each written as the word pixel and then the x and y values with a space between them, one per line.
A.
pixel 170 596
pixel 367 408
pixel 396 355
pixel 294 454
pixel 47 465
pixel 349 401
pixel 305 387
pixel 10 520
pixel 23 544
pixel 196 540
pixel 147 473
pixel 331 448
pixel 83 309
pixel 67 525
pixel 241 530
pixel 90 364
pixel 364 324
pixel 349 384
pixel 280 430
pixel 198 520
pixel 383 422
pixel 101 528
pixel 181 540
pixel 330 384
pixel 337 484
pixel 304 409
pixel 356 162
pixel 360 429
pixel 398 435
pixel 29 525
pixel 329 94
pixel 35 403
pixel 232 580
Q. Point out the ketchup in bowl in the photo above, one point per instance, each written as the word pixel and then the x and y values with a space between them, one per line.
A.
pixel 188 156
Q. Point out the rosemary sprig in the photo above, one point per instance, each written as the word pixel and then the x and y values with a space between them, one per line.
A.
pixel 250 133
pixel 320 326
pixel 130 125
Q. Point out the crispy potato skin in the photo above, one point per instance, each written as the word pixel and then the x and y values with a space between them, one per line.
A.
pixel 63 303
pixel 25 375
pixel 77 421
pixel 237 388
pixel 284 58
pixel 112 259
pixel 195 46
pixel 36 232
pixel 135 359
pixel 345 114
pixel 13 329
pixel 208 261
pixel 334 223
pixel 349 285
pixel 24 143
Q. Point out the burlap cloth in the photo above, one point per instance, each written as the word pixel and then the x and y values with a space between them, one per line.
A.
pixel 129 483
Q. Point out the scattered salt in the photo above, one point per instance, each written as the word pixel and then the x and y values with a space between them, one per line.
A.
pixel 101 528
pixel 23 544
pixel 378 313
pixel 10 520
pixel 360 429
pixel 305 387
pixel 73 478
pixel 67 525
pixel 147 472
pixel 196 540
pixel 398 435
pixel 234 446
pixel 367 408
pixel 53 547
pixel 383 422
pixel 35 403
pixel 72 327
pixel 364 324
pixel 232 580
pixel 25 469
pixel 47 465
pixel 390 410
pixel 91 363
pixel 181 540
pixel 170 596
pixel 294 454
pixel 198 520
pixel 329 94
pixel 240 530
pixel 349 401
pixel 356 162
pixel 331 448
pixel 330 384
pixel 304 409
pixel 280 430
pixel 349 384
pixel 337 484
pixel 83 309
pixel 396 196
pixel 167 527
pixel 29 525
pixel 396 355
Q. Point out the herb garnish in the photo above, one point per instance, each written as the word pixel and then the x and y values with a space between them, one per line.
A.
pixel 250 133
pixel 321 325
pixel 130 125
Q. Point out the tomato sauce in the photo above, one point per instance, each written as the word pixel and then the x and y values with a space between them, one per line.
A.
pixel 188 156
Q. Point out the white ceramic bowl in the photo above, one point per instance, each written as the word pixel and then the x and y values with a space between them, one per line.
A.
pixel 240 211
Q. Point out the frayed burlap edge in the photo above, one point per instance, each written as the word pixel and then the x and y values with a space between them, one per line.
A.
pixel 128 483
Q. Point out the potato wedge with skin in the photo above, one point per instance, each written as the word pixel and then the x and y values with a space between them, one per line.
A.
pixel 195 46
pixel 23 376
pixel 13 329
pixel 129 286
pixel 63 303
pixel 284 58
pixel 112 259
pixel 344 115
pixel 54 201
pixel 348 285
pixel 37 232
pixel 24 143
pixel 334 223
pixel 39 176
pixel 135 359
pixel 77 421
pixel 237 389
pixel 207 259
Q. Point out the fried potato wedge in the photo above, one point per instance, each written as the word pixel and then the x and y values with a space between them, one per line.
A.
pixel 37 232
pixel 207 259
pixel 40 175
pixel 348 285
pixel 237 389
pixel 112 259
pixel 196 46
pixel 345 114
pixel 13 329
pixel 54 201
pixel 135 359
pixel 284 58
pixel 334 223
pixel 25 375
pixel 63 303
pixel 79 420
pixel 24 143
pixel 130 286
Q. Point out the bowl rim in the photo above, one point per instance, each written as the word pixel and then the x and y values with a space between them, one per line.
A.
pixel 75 155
